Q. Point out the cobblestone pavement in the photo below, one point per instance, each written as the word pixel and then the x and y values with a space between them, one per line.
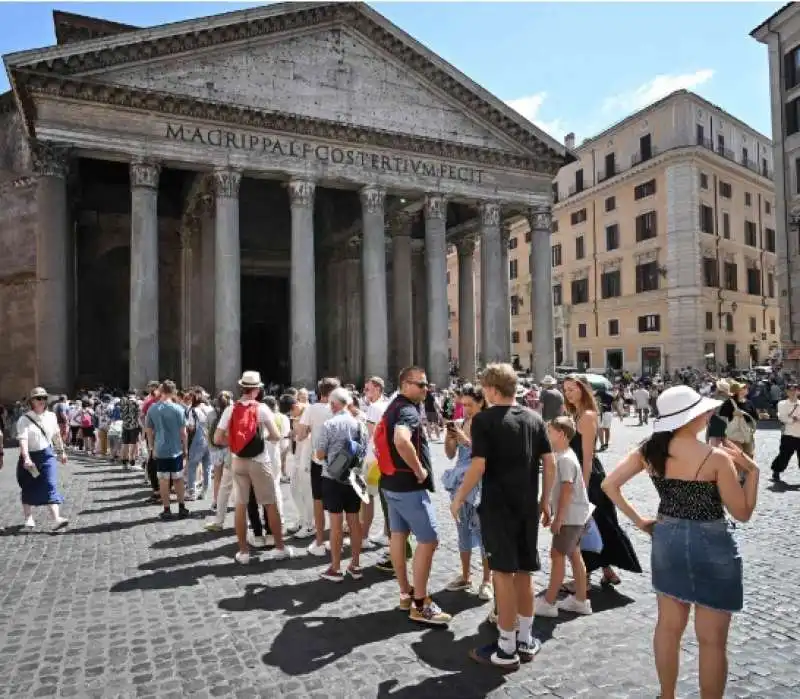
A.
pixel 123 605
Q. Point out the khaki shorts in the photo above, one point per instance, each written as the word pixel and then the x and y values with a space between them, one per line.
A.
pixel 248 472
pixel 568 538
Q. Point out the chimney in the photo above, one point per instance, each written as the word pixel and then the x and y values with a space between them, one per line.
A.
pixel 569 141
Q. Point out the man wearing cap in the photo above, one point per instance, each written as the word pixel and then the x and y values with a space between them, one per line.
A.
pixel 789 415
pixel 254 471
pixel 550 399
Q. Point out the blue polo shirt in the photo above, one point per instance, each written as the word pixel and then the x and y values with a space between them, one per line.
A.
pixel 167 421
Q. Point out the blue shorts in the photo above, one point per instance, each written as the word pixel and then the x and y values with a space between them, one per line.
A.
pixel 413 512
pixel 171 467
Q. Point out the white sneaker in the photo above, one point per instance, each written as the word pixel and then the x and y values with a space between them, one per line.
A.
pixel 345 543
pixel 29 524
pixel 213 526
pixel 317 550
pixel 258 542
pixel 279 554
pixel 304 533
pixel 380 540
pixel 573 604
pixel 269 540
pixel 486 592
pixel 243 558
pixel 367 545
pixel 543 608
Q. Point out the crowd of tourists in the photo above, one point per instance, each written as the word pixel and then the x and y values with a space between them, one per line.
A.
pixel 521 457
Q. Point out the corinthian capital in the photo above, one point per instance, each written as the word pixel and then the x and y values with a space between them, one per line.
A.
pixel 490 213
pixel 435 206
pixel 400 223
pixel 145 174
pixel 466 246
pixel 541 217
pixel 226 182
pixel 49 159
pixel 372 199
pixel 301 192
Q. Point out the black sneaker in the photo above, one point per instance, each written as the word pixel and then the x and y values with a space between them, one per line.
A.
pixel 183 513
pixel 492 655
pixel 385 564
pixel 526 651
pixel 166 515
pixel 776 477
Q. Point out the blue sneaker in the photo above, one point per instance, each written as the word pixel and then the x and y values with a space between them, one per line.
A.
pixel 527 651
pixel 492 655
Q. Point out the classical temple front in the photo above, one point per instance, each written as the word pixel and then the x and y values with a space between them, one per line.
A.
pixel 273 189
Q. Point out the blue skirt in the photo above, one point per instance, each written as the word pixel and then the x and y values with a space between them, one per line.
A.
pixel 42 490
pixel 698 563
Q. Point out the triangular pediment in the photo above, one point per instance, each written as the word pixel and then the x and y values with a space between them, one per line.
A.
pixel 338 62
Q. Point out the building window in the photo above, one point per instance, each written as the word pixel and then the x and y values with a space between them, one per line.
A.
pixel 729 322
pixel 529 336
pixel 579 180
pixel 791 68
pixel 650 323
pixel 512 269
pixel 556 294
pixel 647 277
pixel 767 207
pixel 731 274
pixel 765 169
pixel 703 180
pixel 612 237
pixel 706 219
pixel 512 243
pixel 610 285
pixel 555 226
pixel 771 285
pixel 645 147
pixel 709 320
pixel 745 157
pixel 646 189
pixel 720 144
pixel 577 217
pixel 700 134
pixel 613 327
pixel 772 326
pixel 581 330
pixel 748 199
pixel 797 175
pixel 580 248
pixel 645 226
pixel 583 359
pixel 555 252
pixel 611 203
pixel 527 236
pixel 580 291
pixel 725 190
pixel 448 276
pixel 515 304
pixel 726 225
pixel 754 281
pixel 611 166
pixel 515 337
pixel 752 324
pixel 750 237
pixel 769 239
pixel 710 272
pixel 793 116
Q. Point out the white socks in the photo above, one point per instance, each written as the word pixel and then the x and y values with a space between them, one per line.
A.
pixel 525 626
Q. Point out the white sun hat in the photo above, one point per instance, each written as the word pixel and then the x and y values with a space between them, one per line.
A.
pixel 251 379
pixel 679 405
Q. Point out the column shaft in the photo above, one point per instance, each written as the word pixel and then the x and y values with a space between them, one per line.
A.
pixel 466 309
pixel 438 363
pixel 143 365
pixel 227 280
pixel 206 313
pixel 373 266
pixel 505 233
pixel 493 285
pixel 542 293
pixel 303 319
pixel 352 322
pixel 402 298
pixel 420 303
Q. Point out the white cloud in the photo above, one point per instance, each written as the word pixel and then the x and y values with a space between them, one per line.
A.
pixel 654 90
pixel 529 108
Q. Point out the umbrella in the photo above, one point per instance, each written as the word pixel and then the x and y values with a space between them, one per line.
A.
pixel 596 381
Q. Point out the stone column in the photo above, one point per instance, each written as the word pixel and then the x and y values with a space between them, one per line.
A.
pixel 54 270
pixel 466 308
pixel 505 231
pixel 438 361
pixel 206 320
pixel 227 280
pixel 373 279
pixel 494 303
pixel 541 301
pixel 419 300
pixel 402 298
pixel 302 284
pixel 187 264
pixel 143 365
pixel 352 321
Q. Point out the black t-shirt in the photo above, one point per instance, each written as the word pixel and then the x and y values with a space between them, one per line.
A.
pixel 606 401
pixel 512 439
pixel 402 411
pixel 430 403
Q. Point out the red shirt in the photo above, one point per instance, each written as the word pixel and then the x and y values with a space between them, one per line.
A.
pixel 146 405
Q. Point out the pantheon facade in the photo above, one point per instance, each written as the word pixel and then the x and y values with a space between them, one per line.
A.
pixel 273 189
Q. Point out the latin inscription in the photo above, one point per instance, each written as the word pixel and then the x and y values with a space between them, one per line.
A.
pixel 305 150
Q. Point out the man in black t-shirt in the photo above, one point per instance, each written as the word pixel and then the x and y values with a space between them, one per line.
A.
pixel 509 443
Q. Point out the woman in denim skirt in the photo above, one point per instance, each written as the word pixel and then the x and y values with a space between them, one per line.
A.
pixel 695 560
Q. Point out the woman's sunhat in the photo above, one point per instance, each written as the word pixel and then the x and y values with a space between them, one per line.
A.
pixel 679 405
pixel 38 392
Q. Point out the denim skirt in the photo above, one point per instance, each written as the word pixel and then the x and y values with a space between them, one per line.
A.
pixel 697 562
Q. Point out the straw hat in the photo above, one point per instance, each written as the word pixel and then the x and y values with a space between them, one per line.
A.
pixel 251 379
pixel 548 381
pixel 679 405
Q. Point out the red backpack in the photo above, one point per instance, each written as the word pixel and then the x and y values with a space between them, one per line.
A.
pixel 383 452
pixel 244 433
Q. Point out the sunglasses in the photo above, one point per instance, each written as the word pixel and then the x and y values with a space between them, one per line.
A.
pixel 38 398
pixel 419 384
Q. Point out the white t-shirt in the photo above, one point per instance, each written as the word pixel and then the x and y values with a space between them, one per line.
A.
pixel 568 470
pixel 375 412
pixel 30 433
pixel 265 417
pixel 642 398
pixel 314 416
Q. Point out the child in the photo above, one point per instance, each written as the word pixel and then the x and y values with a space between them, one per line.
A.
pixel 571 509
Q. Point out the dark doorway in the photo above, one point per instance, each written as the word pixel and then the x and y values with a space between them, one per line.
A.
pixel 265 327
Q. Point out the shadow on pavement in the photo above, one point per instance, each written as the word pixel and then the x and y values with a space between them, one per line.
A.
pixel 92 471
pixel 307 644
pixel 180 540
pixel 783 487
pixel 107 527
pixel 144 495
pixel 227 550
pixel 116 508
pixel 139 485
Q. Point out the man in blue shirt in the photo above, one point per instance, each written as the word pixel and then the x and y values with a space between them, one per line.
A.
pixel 165 432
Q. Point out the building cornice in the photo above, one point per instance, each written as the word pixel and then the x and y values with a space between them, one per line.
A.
pixel 660 161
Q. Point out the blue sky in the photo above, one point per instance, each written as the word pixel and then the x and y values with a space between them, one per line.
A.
pixel 566 66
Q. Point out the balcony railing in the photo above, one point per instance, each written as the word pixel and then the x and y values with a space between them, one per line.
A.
pixel 728 154
pixel 606 174
pixel 640 157
pixel 573 189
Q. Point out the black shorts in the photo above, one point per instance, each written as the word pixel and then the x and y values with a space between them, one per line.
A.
pixel 87 432
pixel 339 497
pixel 511 542
pixel 130 436
pixel 316 481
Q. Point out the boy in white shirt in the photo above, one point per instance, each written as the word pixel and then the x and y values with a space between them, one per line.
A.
pixel 571 510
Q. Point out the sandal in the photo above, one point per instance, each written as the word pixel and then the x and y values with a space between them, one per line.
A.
pixel 612 579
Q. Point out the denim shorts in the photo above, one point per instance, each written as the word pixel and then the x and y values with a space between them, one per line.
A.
pixel 697 562
pixel 468 529
pixel 413 512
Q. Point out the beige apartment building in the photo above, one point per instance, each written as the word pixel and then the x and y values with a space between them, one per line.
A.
pixel 663 247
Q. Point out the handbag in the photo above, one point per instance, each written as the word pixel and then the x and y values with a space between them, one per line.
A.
pixel 739 428
pixel 591 540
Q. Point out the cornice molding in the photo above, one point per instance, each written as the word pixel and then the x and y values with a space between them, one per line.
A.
pixel 346 15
